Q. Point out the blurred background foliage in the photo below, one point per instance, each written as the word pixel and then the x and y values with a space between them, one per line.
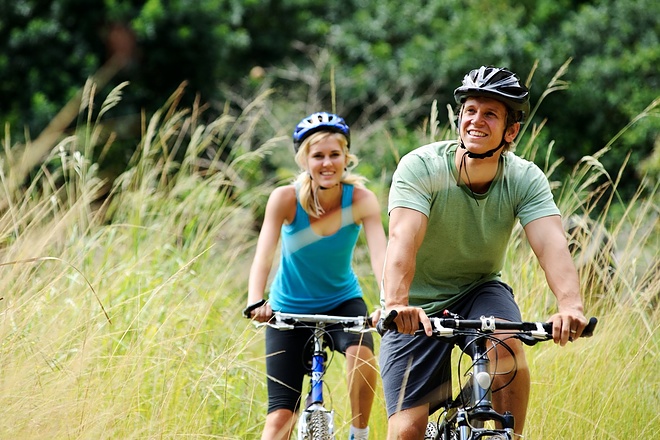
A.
pixel 379 63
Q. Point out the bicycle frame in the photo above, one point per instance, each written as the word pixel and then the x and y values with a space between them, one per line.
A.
pixel 314 403
pixel 316 421
pixel 465 415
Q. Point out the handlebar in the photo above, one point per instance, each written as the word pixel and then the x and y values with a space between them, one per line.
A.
pixel 287 321
pixel 528 332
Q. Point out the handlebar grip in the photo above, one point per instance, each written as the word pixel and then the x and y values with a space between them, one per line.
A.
pixel 586 333
pixel 387 323
pixel 248 310
pixel 589 329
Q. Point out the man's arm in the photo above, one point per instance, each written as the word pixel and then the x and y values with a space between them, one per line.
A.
pixel 406 232
pixel 548 241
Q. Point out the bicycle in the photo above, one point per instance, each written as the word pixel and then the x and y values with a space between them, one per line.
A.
pixel 317 421
pixel 466 416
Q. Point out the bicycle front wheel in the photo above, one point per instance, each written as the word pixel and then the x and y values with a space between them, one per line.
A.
pixel 319 426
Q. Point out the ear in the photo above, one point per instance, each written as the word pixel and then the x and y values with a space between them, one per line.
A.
pixel 512 132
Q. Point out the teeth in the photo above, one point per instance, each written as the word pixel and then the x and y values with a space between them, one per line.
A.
pixel 477 133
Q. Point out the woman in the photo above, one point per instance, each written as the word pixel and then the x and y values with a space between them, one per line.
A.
pixel 318 218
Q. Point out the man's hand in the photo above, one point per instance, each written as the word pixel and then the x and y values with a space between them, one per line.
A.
pixel 408 319
pixel 567 325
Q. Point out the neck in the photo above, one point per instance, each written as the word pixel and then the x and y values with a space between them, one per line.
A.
pixel 329 198
pixel 475 173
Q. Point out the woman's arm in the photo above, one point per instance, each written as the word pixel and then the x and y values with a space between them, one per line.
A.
pixel 368 213
pixel 278 210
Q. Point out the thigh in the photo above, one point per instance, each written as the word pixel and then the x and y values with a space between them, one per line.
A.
pixel 287 363
pixel 494 298
pixel 415 371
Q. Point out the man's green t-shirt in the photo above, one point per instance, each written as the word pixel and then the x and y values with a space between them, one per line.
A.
pixel 467 234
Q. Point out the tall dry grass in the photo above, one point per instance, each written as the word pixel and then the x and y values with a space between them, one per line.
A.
pixel 120 317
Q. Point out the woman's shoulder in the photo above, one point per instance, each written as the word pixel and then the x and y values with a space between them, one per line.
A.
pixel 283 197
pixel 284 193
pixel 282 203
pixel 365 201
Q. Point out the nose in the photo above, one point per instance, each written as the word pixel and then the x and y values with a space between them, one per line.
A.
pixel 477 118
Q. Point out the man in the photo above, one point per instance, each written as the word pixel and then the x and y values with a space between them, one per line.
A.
pixel 452 209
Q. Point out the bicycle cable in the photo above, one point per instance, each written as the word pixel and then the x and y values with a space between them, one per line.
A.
pixel 495 343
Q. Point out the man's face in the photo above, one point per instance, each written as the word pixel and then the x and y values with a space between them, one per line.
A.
pixel 483 123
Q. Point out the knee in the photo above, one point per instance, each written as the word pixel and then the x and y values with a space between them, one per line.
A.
pixel 360 356
pixel 280 419
pixel 511 358
pixel 408 424
pixel 406 431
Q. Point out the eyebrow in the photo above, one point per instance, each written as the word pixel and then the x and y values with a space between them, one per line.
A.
pixel 338 150
pixel 491 107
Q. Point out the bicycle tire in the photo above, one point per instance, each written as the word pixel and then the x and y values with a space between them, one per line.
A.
pixel 318 426
pixel 444 432
pixel 431 432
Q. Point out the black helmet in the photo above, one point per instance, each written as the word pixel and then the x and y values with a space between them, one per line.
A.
pixel 497 83
pixel 321 121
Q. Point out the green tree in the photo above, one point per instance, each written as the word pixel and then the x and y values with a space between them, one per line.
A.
pixel 381 63
pixel 613 77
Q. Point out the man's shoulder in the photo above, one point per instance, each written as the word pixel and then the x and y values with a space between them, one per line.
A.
pixel 519 165
pixel 433 148
pixel 433 152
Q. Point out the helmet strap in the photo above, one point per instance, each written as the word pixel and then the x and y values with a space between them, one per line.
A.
pixel 485 155
pixel 460 171
pixel 472 155
pixel 322 188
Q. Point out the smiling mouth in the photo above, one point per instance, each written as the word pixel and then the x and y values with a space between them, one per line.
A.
pixel 477 133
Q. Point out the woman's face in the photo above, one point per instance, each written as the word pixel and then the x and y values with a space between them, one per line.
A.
pixel 483 121
pixel 326 161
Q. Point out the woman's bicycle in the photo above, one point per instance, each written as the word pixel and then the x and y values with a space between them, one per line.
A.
pixel 470 415
pixel 317 421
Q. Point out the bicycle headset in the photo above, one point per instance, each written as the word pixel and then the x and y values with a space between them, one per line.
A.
pixel 320 121
pixel 496 83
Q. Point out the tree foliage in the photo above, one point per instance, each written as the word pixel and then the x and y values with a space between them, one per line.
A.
pixel 367 59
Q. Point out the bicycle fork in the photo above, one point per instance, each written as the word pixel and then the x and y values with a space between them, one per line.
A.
pixel 475 405
pixel 477 402
pixel 314 408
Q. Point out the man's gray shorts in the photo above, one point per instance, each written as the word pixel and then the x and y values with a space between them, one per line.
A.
pixel 416 369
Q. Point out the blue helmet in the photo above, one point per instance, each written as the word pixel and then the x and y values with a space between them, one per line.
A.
pixel 497 83
pixel 320 121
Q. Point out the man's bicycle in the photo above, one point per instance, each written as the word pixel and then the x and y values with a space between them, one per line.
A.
pixel 317 420
pixel 470 415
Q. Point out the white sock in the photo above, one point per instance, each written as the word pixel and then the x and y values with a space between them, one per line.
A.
pixel 358 433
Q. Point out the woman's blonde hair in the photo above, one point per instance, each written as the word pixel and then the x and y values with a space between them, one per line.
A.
pixel 307 191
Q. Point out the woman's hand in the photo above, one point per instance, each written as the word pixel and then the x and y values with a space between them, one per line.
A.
pixel 259 311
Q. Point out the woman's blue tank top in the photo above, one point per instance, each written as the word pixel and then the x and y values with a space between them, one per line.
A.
pixel 315 273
